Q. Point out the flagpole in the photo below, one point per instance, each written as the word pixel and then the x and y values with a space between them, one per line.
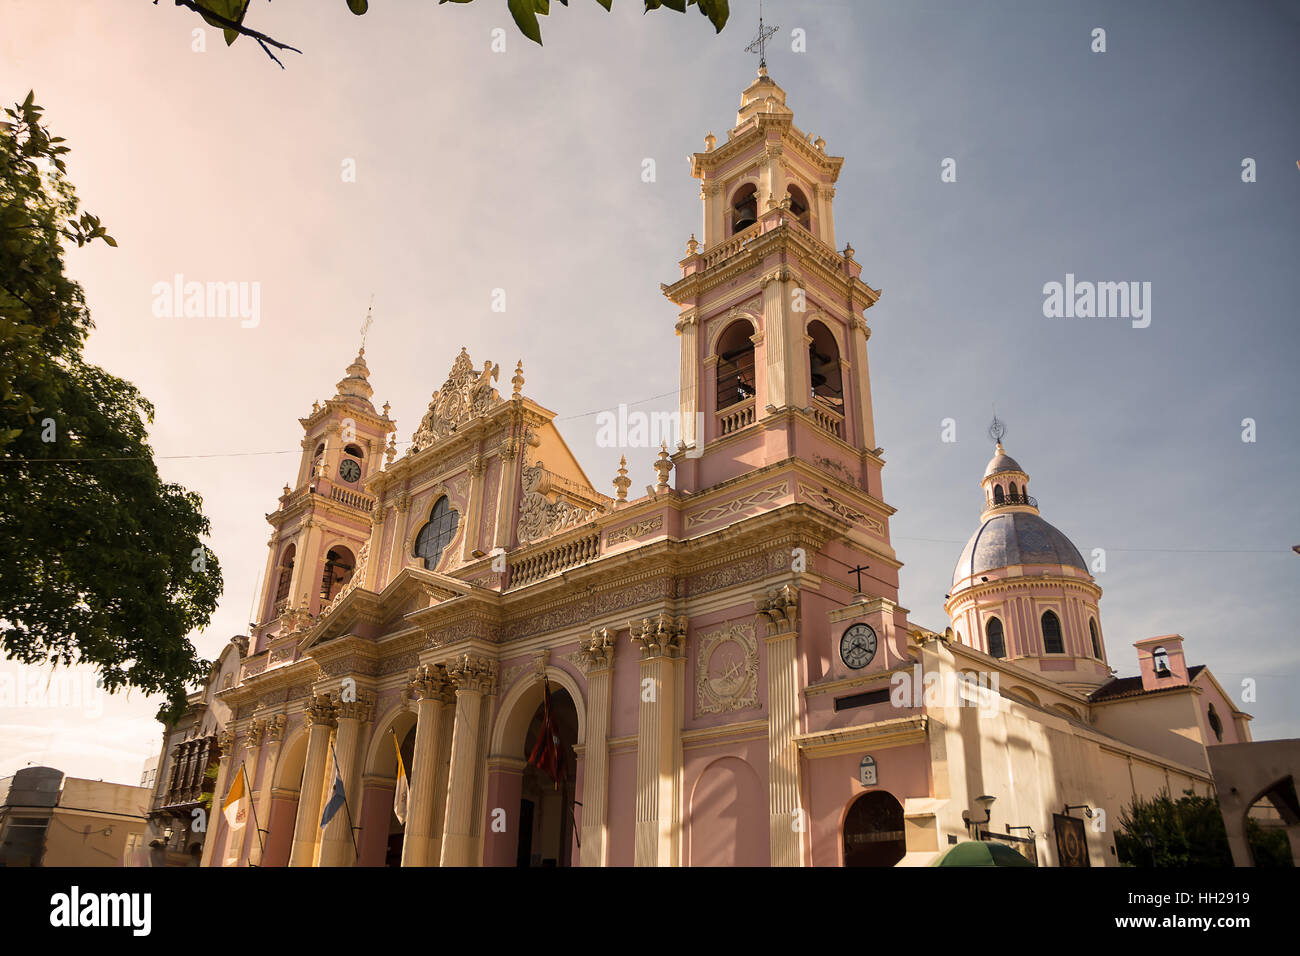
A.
pixel 252 807
pixel 352 830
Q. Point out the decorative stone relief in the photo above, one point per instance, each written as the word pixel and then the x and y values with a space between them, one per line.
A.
pixel 596 651
pixel 540 517
pixel 726 671
pixel 841 510
pixel 634 530
pixel 465 396
pixel 752 500
pixel 780 606
pixel 473 674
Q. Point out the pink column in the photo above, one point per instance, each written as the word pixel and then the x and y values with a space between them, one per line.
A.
pixel 505 782
pixel 376 814
pixel 284 810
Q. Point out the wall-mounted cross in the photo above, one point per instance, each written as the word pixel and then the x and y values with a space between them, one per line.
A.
pixel 858 571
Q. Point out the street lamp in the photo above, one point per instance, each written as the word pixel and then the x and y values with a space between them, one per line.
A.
pixel 986 802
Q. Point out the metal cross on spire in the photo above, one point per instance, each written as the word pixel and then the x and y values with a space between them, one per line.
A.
pixel 759 45
pixel 997 428
pixel 369 320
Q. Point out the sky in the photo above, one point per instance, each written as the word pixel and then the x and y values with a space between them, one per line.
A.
pixel 521 170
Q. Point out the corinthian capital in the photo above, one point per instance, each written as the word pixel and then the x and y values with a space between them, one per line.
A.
pixel 476 674
pixel 320 711
pixel 275 728
pixel 776 275
pixel 361 709
pixel 780 606
pixel 226 742
pixel 662 636
pixel 256 731
pixel 597 651
pixel 431 683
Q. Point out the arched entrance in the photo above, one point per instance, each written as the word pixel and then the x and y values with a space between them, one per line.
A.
pixel 873 830
pixel 545 804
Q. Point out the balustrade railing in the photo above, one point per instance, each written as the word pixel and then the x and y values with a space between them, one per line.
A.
pixel 543 563
pixel 735 417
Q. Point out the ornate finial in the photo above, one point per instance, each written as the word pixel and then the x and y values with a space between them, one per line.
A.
pixel 759 43
pixel 315 407
pixel 518 380
pixel 820 145
pixel 386 407
pixel 692 245
pixel 997 428
pixel 622 482
pixel 709 142
pixel 662 467
pixel 391 451
pixel 848 251
pixel 285 493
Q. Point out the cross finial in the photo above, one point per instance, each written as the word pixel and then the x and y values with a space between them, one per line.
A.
pixel 997 428
pixel 759 44
pixel 365 326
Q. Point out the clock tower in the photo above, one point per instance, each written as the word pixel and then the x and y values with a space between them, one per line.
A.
pixel 322 527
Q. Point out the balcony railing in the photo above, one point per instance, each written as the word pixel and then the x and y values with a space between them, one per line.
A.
pixel 735 417
pixel 1008 499
pixel 353 499
pixel 827 420
pixel 547 561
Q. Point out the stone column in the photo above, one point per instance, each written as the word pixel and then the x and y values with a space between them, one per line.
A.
pixel 306 573
pixel 376 543
pixel 598 654
pixel 252 750
pixel 475 678
pixel 477 469
pixel 397 556
pixel 658 769
pixel 825 212
pixel 506 492
pixel 306 828
pixel 781 391
pixel 226 743
pixel 862 382
pixel 433 693
pixel 780 608
pixel 338 846
pixel 266 779
pixel 688 328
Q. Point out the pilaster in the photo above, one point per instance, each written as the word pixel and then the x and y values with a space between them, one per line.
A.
pixel 657 837
pixel 779 608
pixel 434 693
pixel 306 829
pixel 475 678
pixel 598 654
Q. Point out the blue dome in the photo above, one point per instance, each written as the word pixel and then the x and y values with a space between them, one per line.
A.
pixel 1018 537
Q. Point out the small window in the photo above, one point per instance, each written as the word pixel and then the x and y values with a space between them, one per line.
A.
pixel 1052 640
pixel 1215 723
pixel 1013 491
pixel 997 642
pixel 824 366
pixel 437 534
pixel 286 574
pixel 1160 658
pixel 799 207
pixel 339 565
pixel 1096 638
pixel 998 497
pixel 354 451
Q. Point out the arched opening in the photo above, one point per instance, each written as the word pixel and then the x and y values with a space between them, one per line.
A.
pixel 997 641
pixel 1013 491
pixel 284 578
pixel 1053 643
pixel 799 207
pixel 339 565
pixel 397 829
pixel 824 366
pixel 546 820
pixel 353 450
pixel 744 208
pixel 1216 724
pixel 728 806
pixel 873 831
pixel 287 784
pixel 1096 638
pixel 735 365
pixel 1160 660
pixel 998 497
pixel 437 533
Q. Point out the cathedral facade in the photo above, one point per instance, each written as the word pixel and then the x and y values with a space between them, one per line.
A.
pixel 716 672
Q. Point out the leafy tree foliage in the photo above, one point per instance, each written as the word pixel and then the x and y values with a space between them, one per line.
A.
pixel 104 563
pixel 229 16
pixel 1188 833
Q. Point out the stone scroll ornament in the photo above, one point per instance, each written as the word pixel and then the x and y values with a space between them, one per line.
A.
pixel 465 395
pixel 539 517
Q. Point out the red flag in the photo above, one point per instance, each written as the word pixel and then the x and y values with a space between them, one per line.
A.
pixel 545 755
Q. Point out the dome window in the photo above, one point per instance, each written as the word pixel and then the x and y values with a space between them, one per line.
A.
pixel 1053 643
pixel 1096 638
pixel 998 497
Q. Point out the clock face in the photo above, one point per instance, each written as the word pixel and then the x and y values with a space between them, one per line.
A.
pixel 858 646
pixel 349 470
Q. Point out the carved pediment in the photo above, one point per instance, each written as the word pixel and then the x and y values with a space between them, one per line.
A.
pixel 467 394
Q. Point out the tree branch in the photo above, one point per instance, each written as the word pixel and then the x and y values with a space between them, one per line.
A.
pixel 263 40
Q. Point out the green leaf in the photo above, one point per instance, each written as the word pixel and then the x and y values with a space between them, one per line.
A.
pixel 358 7
pixel 525 14
pixel 717 11
pixel 606 4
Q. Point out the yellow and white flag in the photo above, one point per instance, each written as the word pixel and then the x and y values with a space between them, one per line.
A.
pixel 237 801
pixel 403 789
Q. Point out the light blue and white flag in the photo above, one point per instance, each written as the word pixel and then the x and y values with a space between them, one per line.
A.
pixel 337 795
